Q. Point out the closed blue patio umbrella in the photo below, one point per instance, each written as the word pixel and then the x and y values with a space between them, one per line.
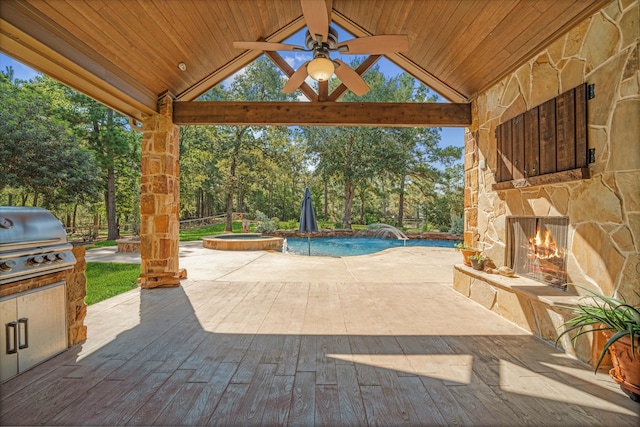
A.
pixel 308 222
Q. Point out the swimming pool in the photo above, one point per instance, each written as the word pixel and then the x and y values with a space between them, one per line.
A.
pixel 350 246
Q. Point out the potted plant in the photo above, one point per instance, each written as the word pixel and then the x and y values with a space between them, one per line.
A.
pixel 467 251
pixel 620 323
pixel 478 261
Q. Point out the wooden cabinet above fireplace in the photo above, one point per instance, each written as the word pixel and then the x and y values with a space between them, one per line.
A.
pixel 544 145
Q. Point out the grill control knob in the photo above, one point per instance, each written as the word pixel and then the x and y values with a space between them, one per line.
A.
pixel 7 265
pixel 38 259
pixel 61 256
pixel 50 257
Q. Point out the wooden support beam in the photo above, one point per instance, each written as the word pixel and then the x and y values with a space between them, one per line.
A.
pixel 323 91
pixel 362 68
pixel 323 113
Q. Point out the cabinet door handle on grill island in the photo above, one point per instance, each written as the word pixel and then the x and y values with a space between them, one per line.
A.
pixel 11 349
pixel 25 322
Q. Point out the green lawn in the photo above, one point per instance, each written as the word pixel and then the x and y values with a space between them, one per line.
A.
pixel 108 279
pixel 199 233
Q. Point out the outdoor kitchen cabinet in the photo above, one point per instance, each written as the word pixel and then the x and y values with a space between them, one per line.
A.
pixel 33 328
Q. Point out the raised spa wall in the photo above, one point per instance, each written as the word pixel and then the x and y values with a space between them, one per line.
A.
pixel 604 210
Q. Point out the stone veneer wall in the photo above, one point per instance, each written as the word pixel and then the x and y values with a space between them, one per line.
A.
pixel 76 291
pixel 604 211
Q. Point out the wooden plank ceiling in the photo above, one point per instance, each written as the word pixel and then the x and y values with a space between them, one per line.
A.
pixel 125 53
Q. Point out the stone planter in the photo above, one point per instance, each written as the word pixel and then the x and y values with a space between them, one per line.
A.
pixel 129 245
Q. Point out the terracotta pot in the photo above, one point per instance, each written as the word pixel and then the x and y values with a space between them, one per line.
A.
pixel 466 254
pixel 626 368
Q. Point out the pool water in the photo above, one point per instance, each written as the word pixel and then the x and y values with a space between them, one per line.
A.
pixel 350 246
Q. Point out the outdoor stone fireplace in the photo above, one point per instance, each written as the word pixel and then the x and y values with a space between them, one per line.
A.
pixel 597 203
pixel 537 248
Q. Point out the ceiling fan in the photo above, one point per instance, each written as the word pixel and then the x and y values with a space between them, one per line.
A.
pixel 321 39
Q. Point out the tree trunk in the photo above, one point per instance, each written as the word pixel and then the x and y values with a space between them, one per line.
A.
pixel 75 217
pixel 270 210
pixel 362 206
pixel 229 219
pixel 199 209
pixel 401 204
pixel 10 200
pixel 96 227
pixel 349 193
pixel 232 180
pixel 110 203
pixel 35 199
pixel 326 201
pixel 110 195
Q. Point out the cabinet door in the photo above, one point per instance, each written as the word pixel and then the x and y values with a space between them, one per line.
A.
pixel 42 326
pixel 8 344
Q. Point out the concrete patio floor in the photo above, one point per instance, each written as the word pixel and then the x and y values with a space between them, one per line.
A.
pixel 258 338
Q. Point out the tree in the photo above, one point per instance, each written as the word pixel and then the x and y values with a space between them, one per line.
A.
pixel 237 145
pixel 115 144
pixel 40 154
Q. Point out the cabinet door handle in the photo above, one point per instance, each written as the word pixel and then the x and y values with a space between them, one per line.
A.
pixel 25 322
pixel 11 349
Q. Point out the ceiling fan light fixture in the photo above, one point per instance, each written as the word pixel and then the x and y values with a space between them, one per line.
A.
pixel 320 69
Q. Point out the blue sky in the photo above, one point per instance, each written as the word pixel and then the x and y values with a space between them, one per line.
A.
pixel 449 136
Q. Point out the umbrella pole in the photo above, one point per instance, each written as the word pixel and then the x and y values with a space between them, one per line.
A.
pixel 309 242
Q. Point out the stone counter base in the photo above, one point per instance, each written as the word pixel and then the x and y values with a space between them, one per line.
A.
pixel 535 307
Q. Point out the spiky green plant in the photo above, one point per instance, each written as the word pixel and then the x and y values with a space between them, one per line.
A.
pixel 603 313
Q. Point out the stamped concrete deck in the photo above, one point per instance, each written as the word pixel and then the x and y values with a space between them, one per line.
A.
pixel 263 338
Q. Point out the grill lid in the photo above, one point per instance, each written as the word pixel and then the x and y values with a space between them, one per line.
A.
pixel 26 227
pixel 33 242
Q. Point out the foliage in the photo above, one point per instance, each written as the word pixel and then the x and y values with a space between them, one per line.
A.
pixel 105 280
pixel 40 154
pixel 356 175
pixel 264 224
pixel 603 313
pixel 461 246
pixel 478 256
pixel 457 224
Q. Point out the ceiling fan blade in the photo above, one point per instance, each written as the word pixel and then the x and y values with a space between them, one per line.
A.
pixel 296 79
pixel 266 46
pixel 317 18
pixel 351 79
pixel 375 45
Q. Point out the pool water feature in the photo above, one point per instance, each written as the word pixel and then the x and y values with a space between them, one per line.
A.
pixel 351 246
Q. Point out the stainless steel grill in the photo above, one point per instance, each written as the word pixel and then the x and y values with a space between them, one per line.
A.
pixel 33 243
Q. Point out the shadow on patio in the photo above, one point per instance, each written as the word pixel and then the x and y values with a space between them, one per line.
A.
pixel 302 353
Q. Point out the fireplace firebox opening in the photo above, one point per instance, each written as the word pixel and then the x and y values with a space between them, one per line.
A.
pixel 537 248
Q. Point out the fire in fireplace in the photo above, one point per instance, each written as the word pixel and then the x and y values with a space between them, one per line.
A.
pixel 537 248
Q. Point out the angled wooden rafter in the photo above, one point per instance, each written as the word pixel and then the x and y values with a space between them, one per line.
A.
pixel 286 68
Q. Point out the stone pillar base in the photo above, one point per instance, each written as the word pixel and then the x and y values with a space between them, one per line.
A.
pixel 159 280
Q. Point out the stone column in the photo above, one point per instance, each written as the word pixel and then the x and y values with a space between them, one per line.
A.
pixel 76 291
pixel 160 198
pixel 471 186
